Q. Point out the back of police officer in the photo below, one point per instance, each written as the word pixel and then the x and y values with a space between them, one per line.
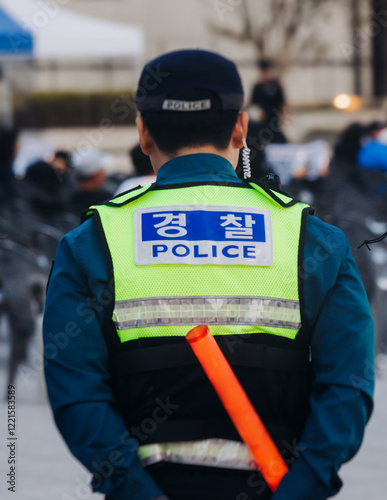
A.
pixel 278 288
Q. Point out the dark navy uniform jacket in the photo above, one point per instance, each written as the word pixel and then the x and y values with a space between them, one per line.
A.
pixel 76 356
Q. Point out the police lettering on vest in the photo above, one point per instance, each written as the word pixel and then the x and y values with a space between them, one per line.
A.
pixel 199 234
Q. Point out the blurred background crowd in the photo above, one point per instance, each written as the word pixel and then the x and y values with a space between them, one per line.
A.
pixel 315 78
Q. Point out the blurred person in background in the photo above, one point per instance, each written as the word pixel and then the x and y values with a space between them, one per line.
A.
pixel 269 97
pixel 372 154
pixel 49 184
pixel 267 110
pixel 345 201
pixel 353 158
pixel 90 168
pixel 344 175
pixel 8 150
pixel 144 173
pixel 372 161
pixel 345 153
pixel 16 293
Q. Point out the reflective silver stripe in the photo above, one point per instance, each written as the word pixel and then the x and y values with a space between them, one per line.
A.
pixel 220 453
pixel 210 310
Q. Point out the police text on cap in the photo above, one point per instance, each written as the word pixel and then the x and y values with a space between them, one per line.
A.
pixel 175 105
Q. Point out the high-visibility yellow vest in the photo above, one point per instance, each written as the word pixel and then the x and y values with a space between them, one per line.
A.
pixel 150 230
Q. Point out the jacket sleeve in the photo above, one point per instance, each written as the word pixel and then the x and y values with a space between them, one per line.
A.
pixel 342 349
pixel 76 358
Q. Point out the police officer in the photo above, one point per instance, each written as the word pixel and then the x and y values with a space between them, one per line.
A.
pixel 278 288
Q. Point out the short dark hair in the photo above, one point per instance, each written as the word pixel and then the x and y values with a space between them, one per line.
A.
pixel 173 130
pixel 264 64
pixel 65 156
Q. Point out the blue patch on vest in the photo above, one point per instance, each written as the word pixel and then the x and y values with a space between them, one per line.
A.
pixel 203 235
pixel 201 225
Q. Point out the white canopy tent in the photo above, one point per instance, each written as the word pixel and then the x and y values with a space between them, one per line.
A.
pixel 61 37
pixel 61 34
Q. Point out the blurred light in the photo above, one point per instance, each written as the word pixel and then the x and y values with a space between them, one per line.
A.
pixel 342 101
pixel 379 257
pixel 376 227
pixel 382 283
pixel 347 102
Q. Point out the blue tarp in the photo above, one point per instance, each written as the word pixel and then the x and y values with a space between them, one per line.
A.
pixel 15 41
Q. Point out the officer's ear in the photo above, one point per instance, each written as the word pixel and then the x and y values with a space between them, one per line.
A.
pixel 146 142
pixel 240 130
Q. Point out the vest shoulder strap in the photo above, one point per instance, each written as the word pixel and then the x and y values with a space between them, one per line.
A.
pixel 129 196
pixel 277 195
pixel 280 197
pixel 120 200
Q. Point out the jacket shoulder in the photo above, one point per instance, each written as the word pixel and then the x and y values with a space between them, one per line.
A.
pixel 320 233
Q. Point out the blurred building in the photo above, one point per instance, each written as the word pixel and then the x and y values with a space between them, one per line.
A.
pixel 346 53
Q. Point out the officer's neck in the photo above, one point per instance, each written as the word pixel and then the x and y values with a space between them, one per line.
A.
pixel 158 158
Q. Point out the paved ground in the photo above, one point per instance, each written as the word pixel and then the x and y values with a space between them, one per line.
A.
pixel 47 471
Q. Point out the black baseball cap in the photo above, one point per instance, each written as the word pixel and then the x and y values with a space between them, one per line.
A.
pixel 189 80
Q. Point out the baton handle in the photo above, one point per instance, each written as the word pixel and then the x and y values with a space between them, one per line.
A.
pixel 238 406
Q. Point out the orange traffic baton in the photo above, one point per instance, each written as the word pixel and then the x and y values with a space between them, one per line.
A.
pixel 238 406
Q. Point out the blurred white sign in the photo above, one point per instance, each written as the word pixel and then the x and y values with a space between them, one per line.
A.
pixel 308 161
